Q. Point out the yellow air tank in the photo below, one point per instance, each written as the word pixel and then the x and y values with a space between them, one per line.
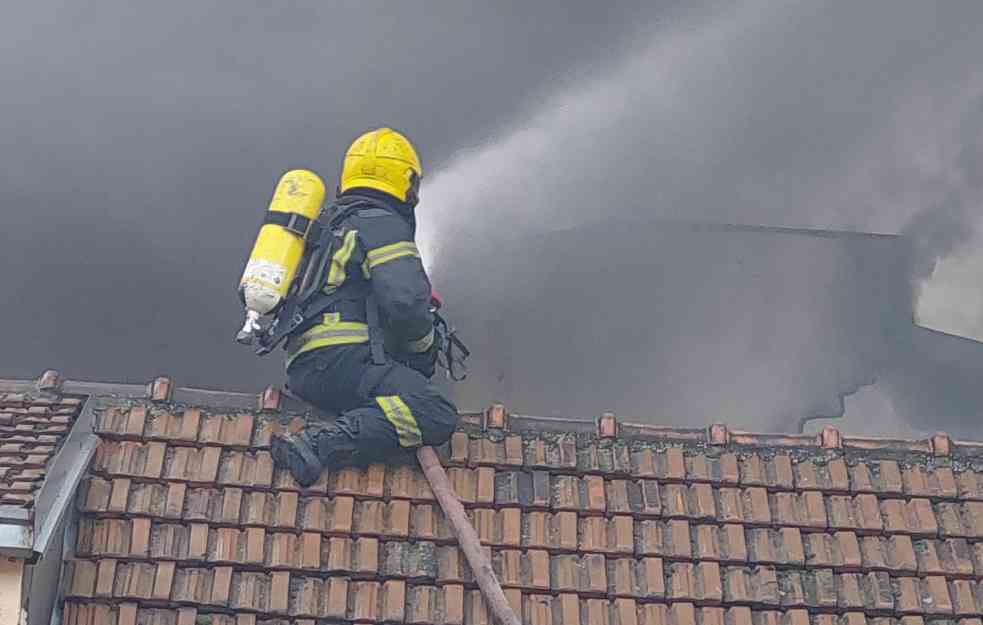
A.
pixel 279 246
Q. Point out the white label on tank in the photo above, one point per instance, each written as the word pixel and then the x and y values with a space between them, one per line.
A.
pixel 260 298
pixel 261 285
pixel 265 271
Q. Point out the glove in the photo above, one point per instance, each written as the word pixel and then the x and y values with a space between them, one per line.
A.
pixel 436 301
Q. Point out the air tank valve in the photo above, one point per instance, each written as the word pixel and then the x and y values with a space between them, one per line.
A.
pixel 249 328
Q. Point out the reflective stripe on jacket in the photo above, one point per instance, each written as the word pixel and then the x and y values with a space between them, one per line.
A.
pixel 374 250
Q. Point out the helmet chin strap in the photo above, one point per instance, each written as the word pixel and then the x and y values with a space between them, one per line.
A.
pixel 413 191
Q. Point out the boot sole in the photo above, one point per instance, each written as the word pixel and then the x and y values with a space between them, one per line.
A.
pixel 286 454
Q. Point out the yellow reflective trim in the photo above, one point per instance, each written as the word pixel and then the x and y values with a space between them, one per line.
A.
pixel 385 250
pixel 326 342
pixel 387 253
pixel 375 263
pixel 336 332
pixel 337 273
pixel 328 334
pixel 400 415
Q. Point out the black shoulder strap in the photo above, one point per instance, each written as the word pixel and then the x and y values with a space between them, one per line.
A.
pixel 301 310
pixel 376 339
pixel 347 207
pixel 321 249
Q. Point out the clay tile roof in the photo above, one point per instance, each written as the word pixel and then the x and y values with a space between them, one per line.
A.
pixel 33 427
pixel 184 520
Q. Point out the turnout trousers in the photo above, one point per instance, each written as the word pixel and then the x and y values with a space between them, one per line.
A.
pixel 383 410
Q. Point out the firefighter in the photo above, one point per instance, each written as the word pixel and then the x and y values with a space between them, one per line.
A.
pixel 370 355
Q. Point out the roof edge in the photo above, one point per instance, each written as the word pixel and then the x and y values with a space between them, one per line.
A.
pixel 273 400
pixel 608 426
pixel 163 389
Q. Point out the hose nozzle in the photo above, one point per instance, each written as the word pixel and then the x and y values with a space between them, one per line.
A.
pixel 249 328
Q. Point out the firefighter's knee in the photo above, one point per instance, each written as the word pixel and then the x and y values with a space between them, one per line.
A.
pixel 441 419
pixel 439 435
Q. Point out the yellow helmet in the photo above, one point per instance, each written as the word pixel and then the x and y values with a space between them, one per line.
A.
pixel 384 160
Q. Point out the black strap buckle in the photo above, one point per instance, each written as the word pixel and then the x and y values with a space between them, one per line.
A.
pixel 294 222
pixel 275 334
pixel 298 224
pixel 295 322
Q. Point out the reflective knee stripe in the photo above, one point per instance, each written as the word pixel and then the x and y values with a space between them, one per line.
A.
pixel 387 253
pixel 331 332
pixel 400 415
pixel 338 272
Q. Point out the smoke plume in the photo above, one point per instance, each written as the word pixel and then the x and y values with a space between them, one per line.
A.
pixel 861 117
pixel 141 144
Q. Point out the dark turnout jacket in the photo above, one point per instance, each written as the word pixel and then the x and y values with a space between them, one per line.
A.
pixel 375 254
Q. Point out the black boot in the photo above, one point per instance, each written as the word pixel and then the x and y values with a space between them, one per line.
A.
pixel 298 454
pixel 317 447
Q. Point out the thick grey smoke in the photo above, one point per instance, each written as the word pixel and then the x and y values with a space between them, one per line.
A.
pixel 946 226
pixel 853 116
pixel 797 114
pixel 140 143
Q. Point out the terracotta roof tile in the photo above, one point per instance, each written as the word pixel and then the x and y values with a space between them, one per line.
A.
pixel 611 457
pixel 969 485
pixel 128 458
pixel 81 575
pixel 730 505
pixel 737 586
pixel 957 558
pixel 559 452
pixel 485 451
pixel 184 519
pixel 641 579
pixel 32 429
pixel 963 598
pixel 458 448
pixel 402 482
pixel 572 573
pixel 252 469
pixel 697 466
pixel 733 545
pixel 770 546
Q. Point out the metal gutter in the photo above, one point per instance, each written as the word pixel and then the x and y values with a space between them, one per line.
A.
pixel 27 538
pixel 63 476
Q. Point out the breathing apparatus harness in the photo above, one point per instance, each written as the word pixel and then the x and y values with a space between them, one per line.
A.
pixel 306 302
